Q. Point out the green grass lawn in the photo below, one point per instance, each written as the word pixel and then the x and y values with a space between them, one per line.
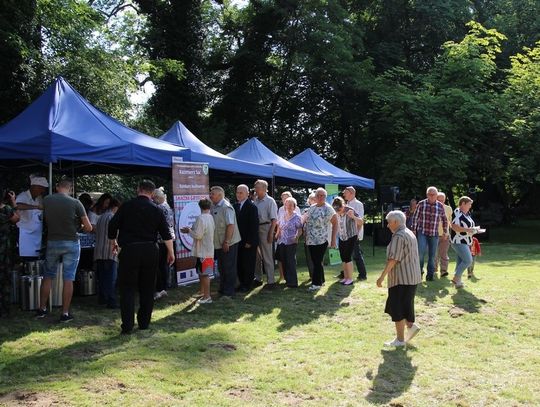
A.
pixel 479 346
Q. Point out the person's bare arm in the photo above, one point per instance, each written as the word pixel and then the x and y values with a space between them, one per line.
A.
pixel 334 222
pixel 229 231
pixel 270 237
pixel 170 251
pixel 87 226
pixel 389 266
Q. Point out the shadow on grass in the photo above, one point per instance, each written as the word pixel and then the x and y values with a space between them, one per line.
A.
pixel 298 311
pixel 467 301
pixel 162 344
pixel 394 376
pixel 432 291
pixel 22 323
pixel 178 338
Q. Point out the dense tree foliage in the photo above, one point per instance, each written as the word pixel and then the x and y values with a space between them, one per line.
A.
pixel 411 93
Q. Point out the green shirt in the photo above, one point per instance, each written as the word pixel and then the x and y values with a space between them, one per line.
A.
pixel 62 214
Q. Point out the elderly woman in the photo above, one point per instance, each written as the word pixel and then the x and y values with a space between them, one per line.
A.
pixel 280 213
pixel 403 270
pixel 348 236
pixel 309 261
pixel 160 199
pixel 318 219
pixel 288 232
pixel 463 229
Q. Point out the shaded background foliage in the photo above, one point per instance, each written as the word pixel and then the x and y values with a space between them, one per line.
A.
pixel 407 92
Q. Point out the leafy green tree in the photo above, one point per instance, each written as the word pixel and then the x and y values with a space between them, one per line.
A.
pixel 522 98
pixel 77 44
pixel 19 48
pixel 174 44
pixel 441 128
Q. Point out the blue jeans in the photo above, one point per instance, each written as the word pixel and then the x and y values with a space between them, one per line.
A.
pixel 67 252
pixel 464 258
pixel 429 244
pixel 107 273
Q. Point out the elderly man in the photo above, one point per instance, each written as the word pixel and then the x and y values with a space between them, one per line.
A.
pixel 226 239
pixel 425 225
pixel 403 271
pixel 247 217
pixel 444 244
pixel 135 228
pixel 349 194
pixel 267 210
pixel 30 210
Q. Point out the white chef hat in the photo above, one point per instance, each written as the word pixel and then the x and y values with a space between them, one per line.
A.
pixel 40 181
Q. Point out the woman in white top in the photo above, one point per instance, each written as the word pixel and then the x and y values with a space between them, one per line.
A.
pixel 462 231
pixel 203 247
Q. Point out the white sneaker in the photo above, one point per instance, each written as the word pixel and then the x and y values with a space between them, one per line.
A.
pixel 162 293
pixel 156 296
pixel 314 287
pixel 395 343
pixel 411 332
pixel 204 300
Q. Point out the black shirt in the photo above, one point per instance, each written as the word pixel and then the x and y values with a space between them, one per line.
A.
pixel 138 221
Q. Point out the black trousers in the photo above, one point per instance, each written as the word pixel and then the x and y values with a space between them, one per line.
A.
pixel 358 257
pixel 137 269
pixel 317 256
pixel 287 256
pixel 247 259
pixel 163 268
pixel 227 265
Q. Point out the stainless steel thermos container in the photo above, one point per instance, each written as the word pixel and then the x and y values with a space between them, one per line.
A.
pixel 29 288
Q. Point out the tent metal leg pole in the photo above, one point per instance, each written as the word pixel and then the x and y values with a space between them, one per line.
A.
pixel 50 179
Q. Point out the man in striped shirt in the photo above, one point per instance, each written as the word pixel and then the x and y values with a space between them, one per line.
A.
pixel 425 225
pixel 403 270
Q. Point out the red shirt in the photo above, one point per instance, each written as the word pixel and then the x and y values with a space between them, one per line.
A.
pixel 427 216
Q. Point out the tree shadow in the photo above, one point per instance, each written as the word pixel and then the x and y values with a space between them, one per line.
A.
pixel 302 307
pixel 394 376
pixel 90 358
pixel 178 337
pixel 22 323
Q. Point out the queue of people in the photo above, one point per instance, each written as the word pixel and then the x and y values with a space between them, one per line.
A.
pixel 134 244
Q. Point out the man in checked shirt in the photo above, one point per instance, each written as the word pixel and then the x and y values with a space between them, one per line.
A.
pixel 425 225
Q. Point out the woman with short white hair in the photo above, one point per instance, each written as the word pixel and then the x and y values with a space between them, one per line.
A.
pixel 403 270
pixel 288 231
pixel 319 219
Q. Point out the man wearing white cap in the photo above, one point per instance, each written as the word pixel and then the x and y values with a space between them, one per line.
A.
pixel 30 209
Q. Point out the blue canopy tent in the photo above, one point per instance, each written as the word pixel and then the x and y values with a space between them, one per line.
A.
pixel 311 160
pixel 221 165
pixel 255 151
pixel 61 125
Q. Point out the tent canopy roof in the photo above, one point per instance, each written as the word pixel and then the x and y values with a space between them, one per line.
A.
pixel 255 151
pixel 62 125
pixel 179 135
pixel 311 160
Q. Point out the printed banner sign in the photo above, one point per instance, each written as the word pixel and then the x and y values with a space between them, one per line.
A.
pixel 190 184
